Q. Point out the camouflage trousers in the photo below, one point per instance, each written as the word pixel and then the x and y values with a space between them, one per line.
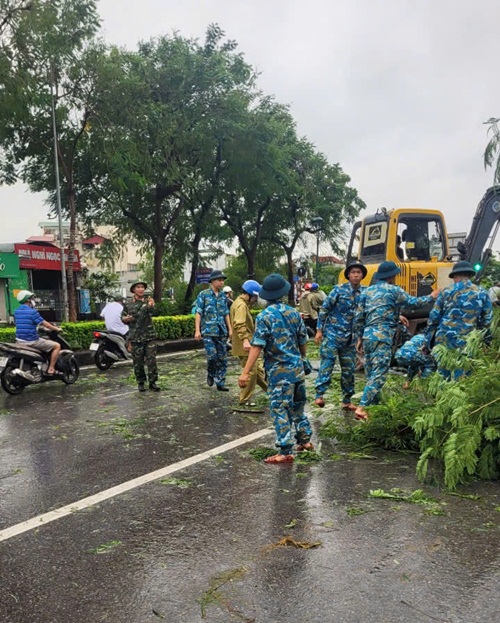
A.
pixel 347 361
pixel 378 357
pixel 144 354
pixel 417 364
pixel 287 402
pixel 216 349
pixel 257 376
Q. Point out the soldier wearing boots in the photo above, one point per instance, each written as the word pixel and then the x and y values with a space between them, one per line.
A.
pixel 142 335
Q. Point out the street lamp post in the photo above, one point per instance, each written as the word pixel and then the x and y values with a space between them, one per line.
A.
pixel 58 197
pixel 317 223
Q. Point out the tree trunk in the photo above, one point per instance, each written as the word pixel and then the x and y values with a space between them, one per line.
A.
pixel 291 294
pixel 159 246
pixel 250 257
pixel 70 275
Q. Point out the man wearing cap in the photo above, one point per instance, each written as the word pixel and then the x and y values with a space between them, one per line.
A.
pixel 142 335
pixel 281 334
pixel 375 324
pixel 459 309
pixel 112 314
pixel 228 291
pixel 211 323
pixel 243 326
pixel 309 305
pixel 335 335
pixel 27 319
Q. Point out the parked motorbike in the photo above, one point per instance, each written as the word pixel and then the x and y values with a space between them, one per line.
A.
pixel 109 347
pixel 22 365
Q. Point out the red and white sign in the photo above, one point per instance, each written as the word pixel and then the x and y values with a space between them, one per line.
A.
pixel 44 258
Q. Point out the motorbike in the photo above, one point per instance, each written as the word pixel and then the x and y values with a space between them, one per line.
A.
pixel 109 347
pixel 21 365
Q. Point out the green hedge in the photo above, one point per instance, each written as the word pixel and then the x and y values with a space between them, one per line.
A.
pixel 7 334
pixel 81 334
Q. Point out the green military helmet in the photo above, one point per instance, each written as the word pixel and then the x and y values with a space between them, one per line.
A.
pixel 136 283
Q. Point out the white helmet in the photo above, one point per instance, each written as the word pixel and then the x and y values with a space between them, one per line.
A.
pixel 227 289
pixel 24 295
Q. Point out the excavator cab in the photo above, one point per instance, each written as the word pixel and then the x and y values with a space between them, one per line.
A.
pixel 416 239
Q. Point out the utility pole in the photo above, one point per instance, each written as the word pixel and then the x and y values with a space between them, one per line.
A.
pixel 58 196
pixel 317 223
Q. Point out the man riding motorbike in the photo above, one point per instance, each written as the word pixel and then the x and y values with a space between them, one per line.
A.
pixel 27 319
pixel 112 315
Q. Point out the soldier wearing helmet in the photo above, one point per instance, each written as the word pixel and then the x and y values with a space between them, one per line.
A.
pixel 27 319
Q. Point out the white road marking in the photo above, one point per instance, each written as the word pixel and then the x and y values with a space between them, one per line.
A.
pixel 42 520
pixel 105 396
pixel 162 356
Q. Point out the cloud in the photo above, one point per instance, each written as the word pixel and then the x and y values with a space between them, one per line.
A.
pixel 396 91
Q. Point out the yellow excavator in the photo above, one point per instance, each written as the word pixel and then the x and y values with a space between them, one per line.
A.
pixel 417 240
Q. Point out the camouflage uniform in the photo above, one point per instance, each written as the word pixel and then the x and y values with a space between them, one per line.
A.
pixel 458 310
pixel 335 320
pixel 376 322
pixel 142 336
pixel 279 331
pixel 410 356
pixel 213 310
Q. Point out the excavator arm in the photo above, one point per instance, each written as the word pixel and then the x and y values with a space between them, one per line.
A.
pixel 478 246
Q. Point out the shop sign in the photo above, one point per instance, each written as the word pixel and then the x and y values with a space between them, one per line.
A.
pixel 9 265
pixel 202 275
pixel 44 258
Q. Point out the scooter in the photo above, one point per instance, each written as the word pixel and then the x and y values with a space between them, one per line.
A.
pixel 109 347
pixel 22 365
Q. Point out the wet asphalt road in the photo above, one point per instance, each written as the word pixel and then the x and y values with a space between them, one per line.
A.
pixel 200 545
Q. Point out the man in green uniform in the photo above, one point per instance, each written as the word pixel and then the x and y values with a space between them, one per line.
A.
pixel 142 334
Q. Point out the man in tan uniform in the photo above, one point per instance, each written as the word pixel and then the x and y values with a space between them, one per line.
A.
pixel 243 328
pixel 310 304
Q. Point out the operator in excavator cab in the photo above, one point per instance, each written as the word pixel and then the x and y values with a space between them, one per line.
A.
pixel 27 319
pixel 417 242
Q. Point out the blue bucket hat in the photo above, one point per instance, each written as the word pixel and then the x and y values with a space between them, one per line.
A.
pixel 274 287
pixel 216 274
pixel 355 264
pixel 462 268
pixel 387 270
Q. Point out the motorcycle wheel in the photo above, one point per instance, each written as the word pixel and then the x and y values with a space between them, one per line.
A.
pixel 102 361
pixel 11 384
pixel 71 372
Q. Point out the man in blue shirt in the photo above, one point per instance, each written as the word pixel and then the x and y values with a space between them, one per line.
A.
pixel 280 332
pixel 27 320
pixel 211 323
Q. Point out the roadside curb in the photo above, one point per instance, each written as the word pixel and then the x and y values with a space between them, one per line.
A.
pixel 86 357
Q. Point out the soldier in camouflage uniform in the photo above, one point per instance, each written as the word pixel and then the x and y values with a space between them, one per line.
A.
pixel 137 315
pixel 280 332
pixel 212 324
pixel 459 309
pixel 335 334
pixel 375 324
pixel 411 357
